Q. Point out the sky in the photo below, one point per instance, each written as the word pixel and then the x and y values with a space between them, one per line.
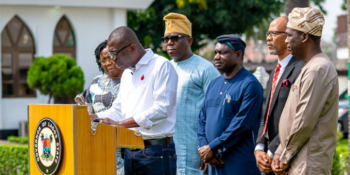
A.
pixel 333 8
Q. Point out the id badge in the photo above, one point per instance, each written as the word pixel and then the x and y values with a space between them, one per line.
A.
pixel 227 97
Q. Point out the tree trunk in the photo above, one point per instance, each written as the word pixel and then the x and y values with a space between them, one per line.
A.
pixel 50 96
pixel 291 4
pixel 63 100
pixel 348 19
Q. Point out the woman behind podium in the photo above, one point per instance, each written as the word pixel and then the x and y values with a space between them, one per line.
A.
pixel 103 90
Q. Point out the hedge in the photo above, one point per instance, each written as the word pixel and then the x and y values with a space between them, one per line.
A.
pixel 14 159
pixel 17 139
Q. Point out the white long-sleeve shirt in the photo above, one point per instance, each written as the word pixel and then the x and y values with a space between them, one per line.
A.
pixel 148 94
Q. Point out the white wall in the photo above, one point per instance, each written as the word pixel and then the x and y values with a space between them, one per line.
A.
pixel 129 4
pixel 91 27
pixel 343 53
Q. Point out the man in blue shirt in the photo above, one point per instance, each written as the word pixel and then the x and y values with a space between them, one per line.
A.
pixel 231 114
pixel 195 73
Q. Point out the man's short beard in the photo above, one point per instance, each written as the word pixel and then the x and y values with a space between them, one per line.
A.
pixel 228 69
pixel 273 52
pixel 174 58
pixel 177 57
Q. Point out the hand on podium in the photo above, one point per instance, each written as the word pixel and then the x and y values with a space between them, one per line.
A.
pixel 127 123
pixel 93 117
pixel 108 121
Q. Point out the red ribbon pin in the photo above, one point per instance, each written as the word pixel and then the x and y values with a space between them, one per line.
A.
pixel 143 77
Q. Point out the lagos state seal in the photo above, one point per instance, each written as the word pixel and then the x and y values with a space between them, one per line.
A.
pixel 47 146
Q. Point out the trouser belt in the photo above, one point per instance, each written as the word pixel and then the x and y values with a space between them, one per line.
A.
pixel 155 142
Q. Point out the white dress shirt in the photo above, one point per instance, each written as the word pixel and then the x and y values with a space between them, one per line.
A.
pixel 283 64
pixel 148 94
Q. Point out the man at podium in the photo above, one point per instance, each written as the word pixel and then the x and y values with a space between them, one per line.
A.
pixel 146 102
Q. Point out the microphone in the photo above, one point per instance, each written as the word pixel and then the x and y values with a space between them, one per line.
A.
pixel 132 73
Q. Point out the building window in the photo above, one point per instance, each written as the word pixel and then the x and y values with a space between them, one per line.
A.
pixel 64 39
pixel 17 54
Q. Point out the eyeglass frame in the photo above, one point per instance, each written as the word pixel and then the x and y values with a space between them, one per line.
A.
pixel 104 61
pixel 111 53
pixel 175 37
pixel 273 33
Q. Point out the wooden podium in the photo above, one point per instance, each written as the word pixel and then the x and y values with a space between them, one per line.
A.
pixel 82 152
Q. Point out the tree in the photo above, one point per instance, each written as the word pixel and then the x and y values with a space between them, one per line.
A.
pixel 57 76
pixel 290 4
pixel 343 6
pixel 209 18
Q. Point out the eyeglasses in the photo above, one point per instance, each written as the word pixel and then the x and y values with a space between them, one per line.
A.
pixel 174 38
pixel 104 61
pixel 114 54
pixel 273 33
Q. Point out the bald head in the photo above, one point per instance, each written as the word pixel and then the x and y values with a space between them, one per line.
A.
pixel 124 36
pixel 280 23
pixel 125 47
pixel 275 39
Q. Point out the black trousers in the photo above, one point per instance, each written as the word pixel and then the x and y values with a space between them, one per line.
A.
pixel 154 160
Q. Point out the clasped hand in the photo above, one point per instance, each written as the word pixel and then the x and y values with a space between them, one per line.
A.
pixel 263 161
pixel 277 166
pixel 207 156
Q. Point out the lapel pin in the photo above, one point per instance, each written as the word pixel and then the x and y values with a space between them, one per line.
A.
pixel 143 77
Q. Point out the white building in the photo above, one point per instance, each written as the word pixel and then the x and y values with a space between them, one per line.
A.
pixel 32 28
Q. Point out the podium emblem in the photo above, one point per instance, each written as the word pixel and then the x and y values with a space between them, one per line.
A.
pixel 47 146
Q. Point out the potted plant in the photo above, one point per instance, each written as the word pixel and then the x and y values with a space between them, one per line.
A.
pixel 57 76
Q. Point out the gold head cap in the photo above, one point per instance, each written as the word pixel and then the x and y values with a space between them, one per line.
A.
pixel 309 20
pixel 177 23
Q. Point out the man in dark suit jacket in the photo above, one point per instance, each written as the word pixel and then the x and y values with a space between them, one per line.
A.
pixel 278 86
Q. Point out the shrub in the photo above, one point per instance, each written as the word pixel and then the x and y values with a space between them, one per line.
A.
pixel 340 163
pixel 14 159
pixel 57 76
pixel 17 139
